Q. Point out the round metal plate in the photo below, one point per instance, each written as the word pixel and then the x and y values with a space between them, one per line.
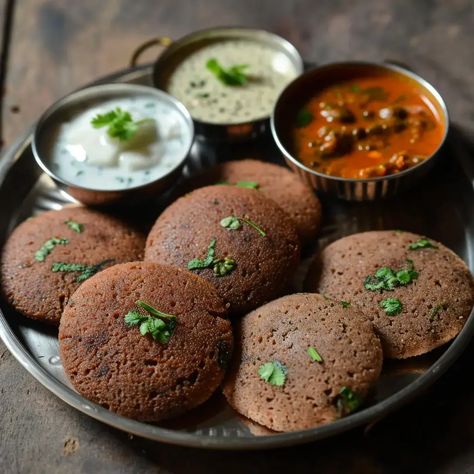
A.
pixel 442 207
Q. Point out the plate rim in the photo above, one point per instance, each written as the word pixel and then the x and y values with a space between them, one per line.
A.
pixel 183 438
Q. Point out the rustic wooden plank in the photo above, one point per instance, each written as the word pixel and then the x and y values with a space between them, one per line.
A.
pixel 57 46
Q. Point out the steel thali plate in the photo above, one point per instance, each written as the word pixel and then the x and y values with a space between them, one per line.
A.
pixel 442 207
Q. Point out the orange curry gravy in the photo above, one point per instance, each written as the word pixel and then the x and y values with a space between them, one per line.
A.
pixel 369 126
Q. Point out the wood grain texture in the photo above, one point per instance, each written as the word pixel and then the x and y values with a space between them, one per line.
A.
pixel 58 46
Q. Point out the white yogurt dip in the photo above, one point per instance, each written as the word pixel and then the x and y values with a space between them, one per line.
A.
pixel 91 158
pixel 268 71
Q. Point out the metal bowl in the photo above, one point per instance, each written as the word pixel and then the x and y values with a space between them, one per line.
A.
pixel 60 112
pixel 349 189
pixel 174 55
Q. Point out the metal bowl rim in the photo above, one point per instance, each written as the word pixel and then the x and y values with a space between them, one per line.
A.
pixel 100 91
pixel 388 66
pixel 198 35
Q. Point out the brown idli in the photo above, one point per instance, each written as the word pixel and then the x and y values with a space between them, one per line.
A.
pixel 294 196
pixel 111 363
pixel 263 264
pixel 424 313
pixel 73 236
pixel 314 392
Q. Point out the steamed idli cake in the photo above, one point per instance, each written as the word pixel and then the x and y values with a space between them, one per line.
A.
pixel 417 292
pixel 47 257
pixel 294 196
pixel 146 341
pixel 302 361
pixel 239 240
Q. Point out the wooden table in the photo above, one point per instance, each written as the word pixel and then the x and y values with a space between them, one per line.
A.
pixel 56 46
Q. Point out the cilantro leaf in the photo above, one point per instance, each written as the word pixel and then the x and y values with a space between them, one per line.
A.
pixel 422 244
pixel 387 279
pixel 314 354
pixel 75 226
pixel 220 266
pixel 119 123
pixel 48 247
pixel 345 304
pixel 232 76
pixel 86 270
pixel 273 372
pixel 391 306
pixel 234 223
pixel 247 184
pixel 347 401
pixel 156 323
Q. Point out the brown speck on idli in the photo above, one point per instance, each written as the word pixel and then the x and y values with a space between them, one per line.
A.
pixel 329 353
pixel 418 314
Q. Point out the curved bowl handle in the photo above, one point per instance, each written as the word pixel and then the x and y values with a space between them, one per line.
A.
pixel 163 41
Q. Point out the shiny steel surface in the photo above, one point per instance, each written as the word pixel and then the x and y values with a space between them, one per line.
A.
pixel 344 188
pixel 442 208
pixel 173 54
pixel 61 111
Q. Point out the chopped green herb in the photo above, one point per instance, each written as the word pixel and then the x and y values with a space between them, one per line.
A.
pixel 304 117
pixel 119 123
pixel 158 324
pixel 391 306
pixel 437 309
pixel 234 223
pixel 355 88
pixel 247 184
pixel 232 76
pixel 220 266
pixel 345 304
pixel 314 354
pixel 75 226
pixel 48 247
pixel 273 372
pixel 386 279
pixel 347 401
pixel 86 270
pixel 422 244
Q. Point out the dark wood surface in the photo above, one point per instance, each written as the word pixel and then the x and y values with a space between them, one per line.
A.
pixel 57 46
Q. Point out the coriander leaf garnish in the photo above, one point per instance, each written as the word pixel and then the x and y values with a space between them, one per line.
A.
pixel 347 401
pixel 273 372
pixel 156 323
pixel 232 76
pixel 119 123
pixel 196 263
pixel 247 184
pixel 437 309
pixel 86 270
pixel 304 117
pixel 422 244
pixel 375 93
pixel 345 304
pixel 314 354
pixel 235 222
pixel 391 306
pixel 48 247
pixel 220 266
pixel 75 226
pixel 386 279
